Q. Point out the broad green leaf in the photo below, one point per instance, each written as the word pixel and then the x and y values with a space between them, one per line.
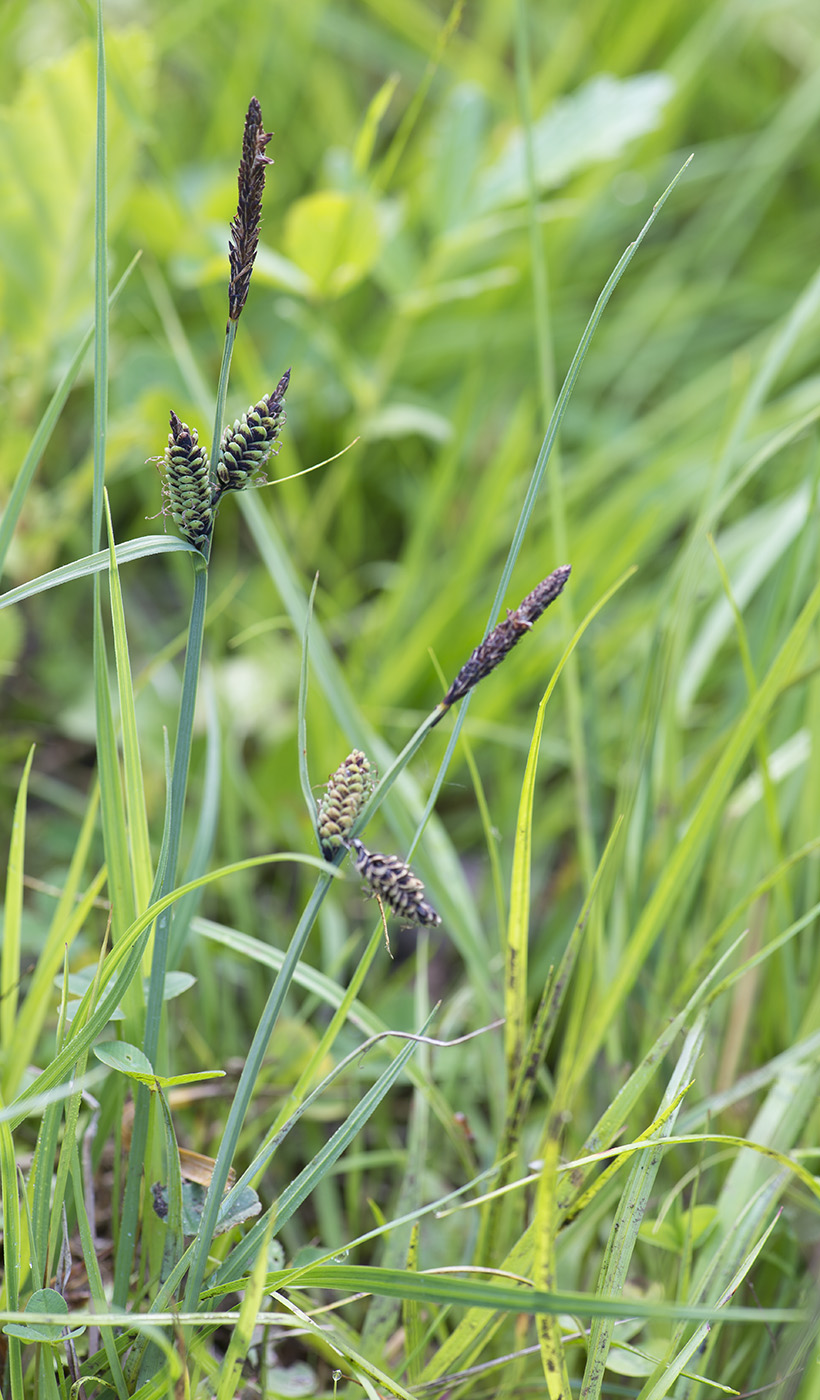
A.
pixel 627 1361
pixel 594 124
pixel 45 282
pixel 44 1300
pixel 244 1205
pixel 678 1228
pixel 335 238
pixel 128 1059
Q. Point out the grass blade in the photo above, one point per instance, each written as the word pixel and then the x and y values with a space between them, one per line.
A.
pixel 12 919
pixel 301 722
pixel 12 1246
pixel 701 823
pixel 632 1207
pixel 136 816
pixel 95 564
pixel 302 1185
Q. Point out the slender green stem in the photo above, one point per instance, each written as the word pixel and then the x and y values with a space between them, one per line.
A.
pixel 179 784
pixel 100 297
pixel 244 1093
pixel 166 877
pixel 167 870
pixel 221 396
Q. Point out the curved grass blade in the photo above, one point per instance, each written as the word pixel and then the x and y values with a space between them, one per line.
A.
pixel 565 394
pixel 95 1283
pixel 444 1291
pixel 301 722
pixel 124 960
pixel 12 918
pixel 96 564
pixel 12 1244
pixel 135 812
pixel 302 1185
pixel 245 1090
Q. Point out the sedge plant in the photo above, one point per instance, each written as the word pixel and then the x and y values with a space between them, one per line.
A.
pixel 532 1201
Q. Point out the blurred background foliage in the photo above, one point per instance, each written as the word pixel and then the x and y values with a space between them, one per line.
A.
pixel 397 277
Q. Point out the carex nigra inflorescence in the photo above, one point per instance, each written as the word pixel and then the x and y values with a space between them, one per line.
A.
pixel 346 793
pixel 187 484
pixel 501 640
pixel 244 239
pixel 192 488
pixel 394 882
pixel 246 447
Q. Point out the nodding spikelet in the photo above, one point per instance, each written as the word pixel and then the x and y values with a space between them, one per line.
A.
pixel 246 447
pixel 394 882
pixel 491 652
pixel 244 239
pixel 346 793
pixel 187 486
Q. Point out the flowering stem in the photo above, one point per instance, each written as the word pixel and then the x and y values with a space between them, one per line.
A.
pixel 221 396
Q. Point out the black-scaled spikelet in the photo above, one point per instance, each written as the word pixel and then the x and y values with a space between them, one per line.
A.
pixel 394 882
pixel 346 793
pixel 187 486
pixel 501 640
pixel 246 447
pixel 244 239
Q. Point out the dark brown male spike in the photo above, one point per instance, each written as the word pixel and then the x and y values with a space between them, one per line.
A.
pixel 500 642
pixel 244 239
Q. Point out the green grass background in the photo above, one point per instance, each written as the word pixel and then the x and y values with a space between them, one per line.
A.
pixel 429 298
